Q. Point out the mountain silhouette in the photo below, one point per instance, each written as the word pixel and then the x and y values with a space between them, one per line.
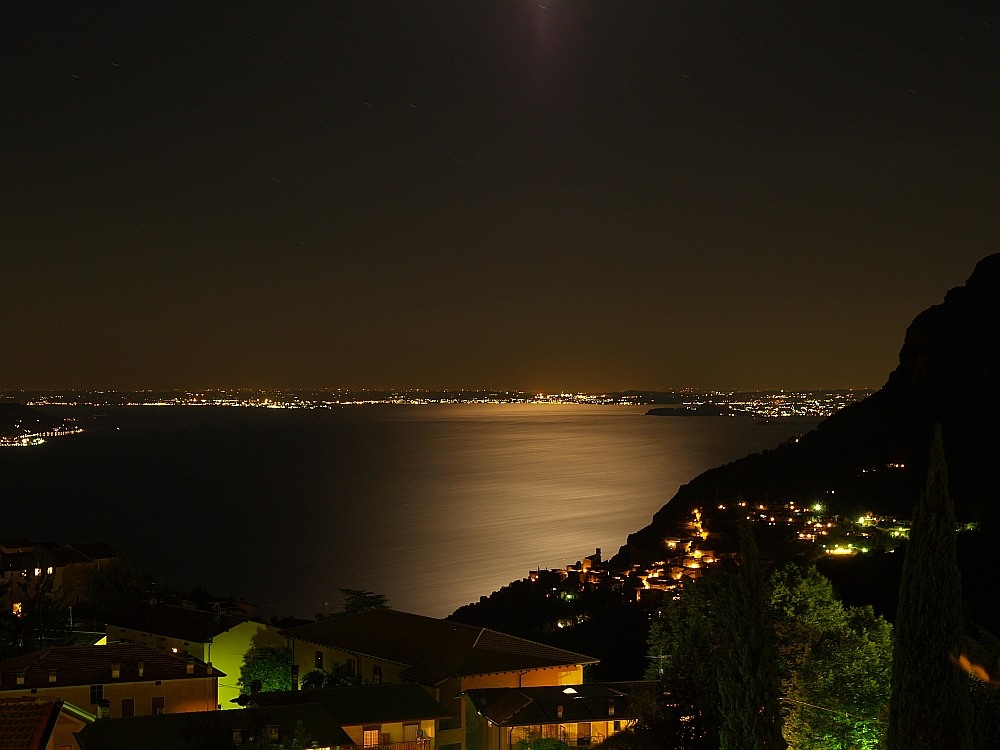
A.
pixel 948 373
pixel 17 419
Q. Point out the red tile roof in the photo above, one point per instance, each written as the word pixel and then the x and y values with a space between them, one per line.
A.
pixel 432 649
pixel 88 665
pixel 27 724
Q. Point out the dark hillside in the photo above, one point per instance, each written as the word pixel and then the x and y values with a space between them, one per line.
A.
pixel 948 372
pixel 16 419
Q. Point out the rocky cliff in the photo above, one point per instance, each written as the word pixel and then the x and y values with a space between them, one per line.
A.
pixel 948 372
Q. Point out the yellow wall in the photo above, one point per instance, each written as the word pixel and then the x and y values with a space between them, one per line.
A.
pixel 162 642
pixel 304 656
pixel 528 678
pixel 227 655
pixel 225 652
pixel 180 696
pixel 63 734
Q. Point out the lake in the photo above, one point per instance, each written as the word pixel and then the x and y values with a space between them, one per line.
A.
pixel 431 505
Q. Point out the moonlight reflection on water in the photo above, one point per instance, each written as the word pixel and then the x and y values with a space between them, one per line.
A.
pixel 432 505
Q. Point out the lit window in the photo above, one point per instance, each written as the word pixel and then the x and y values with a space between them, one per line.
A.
pixel 16 609
pixel 370 736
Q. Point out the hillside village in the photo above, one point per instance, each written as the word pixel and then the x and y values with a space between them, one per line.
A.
pixel 162 671
pixel 410 682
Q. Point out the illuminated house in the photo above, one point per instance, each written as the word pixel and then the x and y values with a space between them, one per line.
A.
pixel 447 658
pixel 40 724
pixel 390 716
pixel 259 727
pixel 23 564
pixel 578 715
pixel 213 638
pixel 120 679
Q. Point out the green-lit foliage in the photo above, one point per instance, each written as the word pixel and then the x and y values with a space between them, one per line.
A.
pixel 338 675
pixel 930 706
pixel 833 662
pixel 836 662
pixel 540 743
pixel 267 664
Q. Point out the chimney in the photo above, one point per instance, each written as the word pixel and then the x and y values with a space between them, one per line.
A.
pixel 20 678
pixel 190 666
pixel 142 668
pixel 116 670
pixel 52 675
pixel 559 711
pixel 104 709
pixel 209 669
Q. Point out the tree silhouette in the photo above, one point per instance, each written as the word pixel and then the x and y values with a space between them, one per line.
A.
pixel 930 705
pixel 358 600
pixel 748 664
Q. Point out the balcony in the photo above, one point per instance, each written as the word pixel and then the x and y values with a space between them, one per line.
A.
pixel 566 733
pixel 426 743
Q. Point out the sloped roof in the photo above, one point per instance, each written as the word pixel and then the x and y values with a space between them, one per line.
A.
pixel 86 665
pixel 192 625
pixel 94 550
pixel 364 704
pixel 211 730
pixel 83 553
pixel 14 546
pixel 27 724
pixel 432 649
pixel 589 702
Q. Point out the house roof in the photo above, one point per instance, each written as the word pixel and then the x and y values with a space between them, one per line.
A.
pixel 88 665
pixel 27 724
pixel 12 546
pixel 83 553
pixel 193 625
pixel 364 704
pixel 431 649
pixel 512 707
pixel 210 730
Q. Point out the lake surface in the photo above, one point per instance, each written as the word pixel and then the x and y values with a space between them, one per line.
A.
pixel 431 505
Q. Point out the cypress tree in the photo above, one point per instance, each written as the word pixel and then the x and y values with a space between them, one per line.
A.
pixel 930 705
pixel 748 667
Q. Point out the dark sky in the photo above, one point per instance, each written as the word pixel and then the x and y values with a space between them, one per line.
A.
pixel 550 195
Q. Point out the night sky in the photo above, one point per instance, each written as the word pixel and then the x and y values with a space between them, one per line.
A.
pixel 553 195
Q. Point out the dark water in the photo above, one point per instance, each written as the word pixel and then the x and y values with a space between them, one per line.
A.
pixel 432 506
